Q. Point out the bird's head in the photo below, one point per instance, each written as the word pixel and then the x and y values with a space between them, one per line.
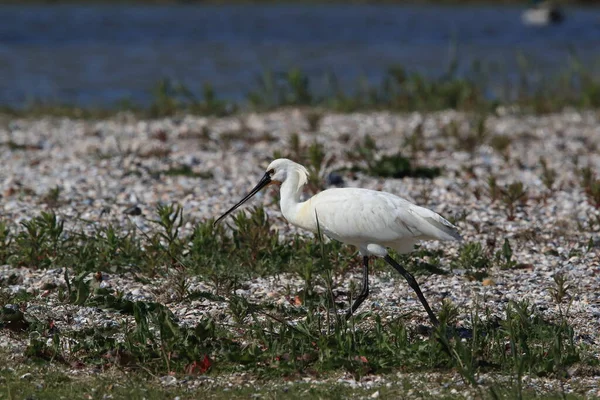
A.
pixel 277 172
pixel 281 168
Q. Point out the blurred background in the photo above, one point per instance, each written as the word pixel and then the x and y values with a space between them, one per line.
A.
pixel 106 54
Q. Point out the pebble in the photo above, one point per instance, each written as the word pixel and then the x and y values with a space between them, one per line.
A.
pixel 117 176
pixel 168 380
pixel 27 376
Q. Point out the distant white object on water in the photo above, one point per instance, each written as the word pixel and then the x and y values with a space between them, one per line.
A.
pixel 370 220
pixel 542 13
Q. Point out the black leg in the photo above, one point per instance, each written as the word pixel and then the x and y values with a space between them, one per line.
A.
pixel 413 284
pixel 364 292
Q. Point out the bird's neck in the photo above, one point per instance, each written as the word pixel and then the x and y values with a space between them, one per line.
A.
pixel 290 192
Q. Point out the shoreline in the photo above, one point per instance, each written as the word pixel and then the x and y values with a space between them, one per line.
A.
pixel 399 91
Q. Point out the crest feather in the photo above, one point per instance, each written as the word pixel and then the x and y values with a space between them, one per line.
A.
pixel 303 173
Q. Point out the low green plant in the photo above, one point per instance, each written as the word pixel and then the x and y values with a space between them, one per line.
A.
pixel 473 260
pixel 590 245
pixel 291 88
pixel 397 166
pixel 52 198
pixel 591 186
pixel 5 241
pixel 186 170
pixel 521 343
pixel 590 224
pixel 168 242
pixel 548 175
pixel 313 118
pixel 513 195
pixel 170 98
pixel 166 99
pixel 317 161
pixel 388 166
pixel 38 244
pixel 560 290
pixel 79 288
pixel 423 261
pixel 504 257
pixel 415 142
pixel 557 350
pixel 493 189
pixel 474 137
pixel 501 143
pixel 366 151
pixel 463 354
pixel 299 90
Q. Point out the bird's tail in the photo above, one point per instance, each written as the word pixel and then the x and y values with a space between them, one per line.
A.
pixel 444 230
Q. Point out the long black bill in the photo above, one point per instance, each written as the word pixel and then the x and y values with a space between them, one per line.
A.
pixel 266 179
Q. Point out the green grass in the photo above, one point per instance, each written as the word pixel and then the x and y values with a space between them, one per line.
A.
pixel 473 260
pixel 268 341
pixel 50 383
pixel 591 186
pixel 366 159
pixel 186 170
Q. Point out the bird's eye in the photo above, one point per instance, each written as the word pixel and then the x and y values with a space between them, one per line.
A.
pixel 271 172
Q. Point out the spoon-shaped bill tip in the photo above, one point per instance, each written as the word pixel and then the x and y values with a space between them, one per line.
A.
pixel 266 179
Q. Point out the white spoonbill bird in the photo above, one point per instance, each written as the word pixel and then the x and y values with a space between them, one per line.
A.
pixel 368 219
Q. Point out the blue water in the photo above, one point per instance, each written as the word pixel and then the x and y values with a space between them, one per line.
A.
pixel 97 55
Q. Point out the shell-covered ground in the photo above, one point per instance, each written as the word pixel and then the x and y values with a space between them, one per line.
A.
pixel 94 173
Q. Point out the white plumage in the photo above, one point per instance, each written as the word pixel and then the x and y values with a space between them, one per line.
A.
pixel 370 220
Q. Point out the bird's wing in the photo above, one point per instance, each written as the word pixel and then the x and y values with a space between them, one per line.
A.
pixel 362 216
pixel 430 224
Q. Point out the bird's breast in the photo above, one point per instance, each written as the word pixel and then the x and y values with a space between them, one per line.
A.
pixel 301 215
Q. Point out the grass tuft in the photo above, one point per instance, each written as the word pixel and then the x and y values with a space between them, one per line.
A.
pixel 388 166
